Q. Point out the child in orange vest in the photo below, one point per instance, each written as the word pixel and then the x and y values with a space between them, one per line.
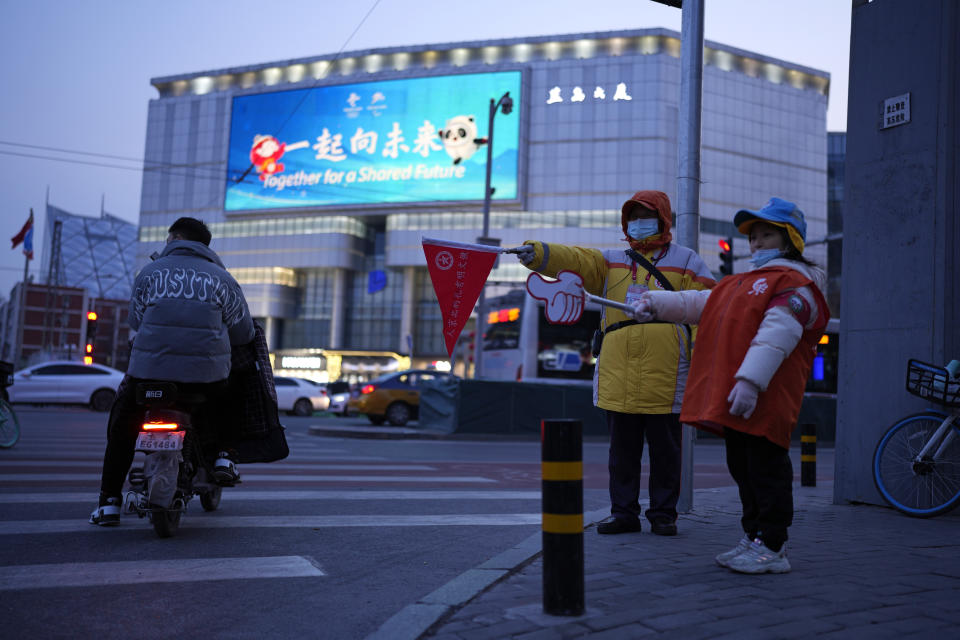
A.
pixel 755 345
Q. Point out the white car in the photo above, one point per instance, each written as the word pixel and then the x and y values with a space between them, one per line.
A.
pixel 300 397
pixel 340 395
pixel 66 382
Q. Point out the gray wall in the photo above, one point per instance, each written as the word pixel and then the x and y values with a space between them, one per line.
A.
pixel 901 270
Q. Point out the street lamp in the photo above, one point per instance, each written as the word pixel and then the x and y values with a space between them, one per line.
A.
pixel 505 105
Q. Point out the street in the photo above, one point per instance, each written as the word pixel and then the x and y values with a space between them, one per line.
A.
pixel 330 542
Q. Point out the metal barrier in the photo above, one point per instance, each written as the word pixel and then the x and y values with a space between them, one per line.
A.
pixel 808 455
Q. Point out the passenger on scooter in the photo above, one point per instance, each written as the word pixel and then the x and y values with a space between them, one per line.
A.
pixel 187 312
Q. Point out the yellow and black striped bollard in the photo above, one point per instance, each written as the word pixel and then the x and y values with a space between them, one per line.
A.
pixel 562 464
pixel 808 455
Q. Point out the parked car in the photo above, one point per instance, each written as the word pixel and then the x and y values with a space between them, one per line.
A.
pixel 66 382
pixel 300 397
pixel 394 397
pixel 340 393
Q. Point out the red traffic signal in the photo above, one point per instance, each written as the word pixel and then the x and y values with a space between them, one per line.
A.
pixel 726 255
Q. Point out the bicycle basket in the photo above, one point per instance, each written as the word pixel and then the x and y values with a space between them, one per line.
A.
pixel 933 383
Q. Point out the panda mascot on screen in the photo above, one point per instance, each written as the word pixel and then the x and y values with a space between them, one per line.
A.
pixel 460 138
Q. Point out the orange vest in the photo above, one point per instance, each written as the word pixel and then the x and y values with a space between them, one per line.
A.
pixel 729 322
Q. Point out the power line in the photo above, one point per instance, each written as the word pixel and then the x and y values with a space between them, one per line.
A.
pixel 64 150
pixel 165 168
pixel 160 168
pixel 316 83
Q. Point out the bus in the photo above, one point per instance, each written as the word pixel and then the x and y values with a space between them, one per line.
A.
pixel 519 344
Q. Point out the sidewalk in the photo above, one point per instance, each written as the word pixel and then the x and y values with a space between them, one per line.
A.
pixel 858 572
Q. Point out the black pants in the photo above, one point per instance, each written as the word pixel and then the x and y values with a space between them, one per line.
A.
pixel 764 474
pixel 663 434
pixel 126 416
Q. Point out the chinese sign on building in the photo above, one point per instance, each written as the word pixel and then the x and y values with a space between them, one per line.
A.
pixel 896 111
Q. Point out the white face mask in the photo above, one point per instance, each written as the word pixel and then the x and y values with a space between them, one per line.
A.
pixel 761 257
pixel 643 228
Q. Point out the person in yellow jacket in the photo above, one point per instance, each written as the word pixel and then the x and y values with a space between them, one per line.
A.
pixel 641 368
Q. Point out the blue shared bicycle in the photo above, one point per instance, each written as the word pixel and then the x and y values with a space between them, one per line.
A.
pixel 916 465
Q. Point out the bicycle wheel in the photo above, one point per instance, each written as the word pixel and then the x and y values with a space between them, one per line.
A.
pixel 922 488
pixel 9 425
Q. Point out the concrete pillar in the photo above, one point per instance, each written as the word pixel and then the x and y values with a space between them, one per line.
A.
pixel 270 333
pixel 407 308
pixel 901 246
pixel 339 311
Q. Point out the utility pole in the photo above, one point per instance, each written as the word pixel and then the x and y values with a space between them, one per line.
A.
pixel 688 180
pixel 51 319
pixel 505 104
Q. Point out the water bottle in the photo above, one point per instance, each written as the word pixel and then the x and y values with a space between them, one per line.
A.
pixel 953 368
pixel 953 373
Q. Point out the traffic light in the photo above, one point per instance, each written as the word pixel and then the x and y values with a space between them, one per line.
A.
pixel 726 256
pixel 91 335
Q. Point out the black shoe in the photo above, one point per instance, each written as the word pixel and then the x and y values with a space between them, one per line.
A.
pixel 225 471
pixel 619 525
pixel 662 528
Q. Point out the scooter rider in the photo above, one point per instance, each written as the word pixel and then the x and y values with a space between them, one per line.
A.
pixel 187 312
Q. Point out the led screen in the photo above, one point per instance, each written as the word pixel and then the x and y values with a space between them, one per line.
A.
pixel 409 140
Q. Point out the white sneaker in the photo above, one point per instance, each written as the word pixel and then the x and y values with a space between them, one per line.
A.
pixel 724 558
pixel 759 559
pixel 107 514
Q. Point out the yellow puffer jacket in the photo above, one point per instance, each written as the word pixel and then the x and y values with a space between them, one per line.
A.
pixel 642 368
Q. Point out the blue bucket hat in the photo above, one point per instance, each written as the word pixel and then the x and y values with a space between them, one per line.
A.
pixel 778 212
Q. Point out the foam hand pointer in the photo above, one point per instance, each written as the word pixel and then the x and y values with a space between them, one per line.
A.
pixel 563 296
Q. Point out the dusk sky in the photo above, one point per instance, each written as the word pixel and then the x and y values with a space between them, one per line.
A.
pixel 77 75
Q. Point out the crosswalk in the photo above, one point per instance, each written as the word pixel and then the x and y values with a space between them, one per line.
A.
pixel 50 480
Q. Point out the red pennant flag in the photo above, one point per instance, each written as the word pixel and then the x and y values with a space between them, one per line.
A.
pixel 458 271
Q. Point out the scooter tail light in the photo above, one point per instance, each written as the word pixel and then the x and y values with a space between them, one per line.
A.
pixel 160 426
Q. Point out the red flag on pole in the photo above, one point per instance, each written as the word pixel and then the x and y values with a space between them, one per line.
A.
pixel 27 226
pixel 458 271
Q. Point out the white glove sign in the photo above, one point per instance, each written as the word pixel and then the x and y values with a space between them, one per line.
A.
pixel 563 296
pixel 743 399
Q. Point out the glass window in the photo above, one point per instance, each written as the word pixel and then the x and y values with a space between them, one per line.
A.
pixel 51 370
pixel 70 370
pixel 284 382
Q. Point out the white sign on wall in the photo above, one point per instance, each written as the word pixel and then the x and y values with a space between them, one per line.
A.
pixel 896 111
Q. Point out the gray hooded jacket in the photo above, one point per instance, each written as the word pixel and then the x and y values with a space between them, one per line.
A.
pixel 187 312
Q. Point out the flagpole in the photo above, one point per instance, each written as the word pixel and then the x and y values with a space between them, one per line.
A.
pixel 23 304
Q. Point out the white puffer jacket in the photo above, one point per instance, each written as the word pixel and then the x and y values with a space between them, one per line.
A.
pixel 779 331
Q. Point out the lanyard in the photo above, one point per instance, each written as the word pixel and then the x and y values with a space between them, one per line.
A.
pixel 633 268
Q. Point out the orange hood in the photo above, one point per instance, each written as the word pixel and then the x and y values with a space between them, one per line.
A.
pixel 659 202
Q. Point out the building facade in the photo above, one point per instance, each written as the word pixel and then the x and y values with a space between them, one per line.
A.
pixel 86 264
pixel 320 176
pixel 836 178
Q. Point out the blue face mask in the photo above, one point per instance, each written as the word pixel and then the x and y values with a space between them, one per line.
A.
pixel 763 256
pixel 644 228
